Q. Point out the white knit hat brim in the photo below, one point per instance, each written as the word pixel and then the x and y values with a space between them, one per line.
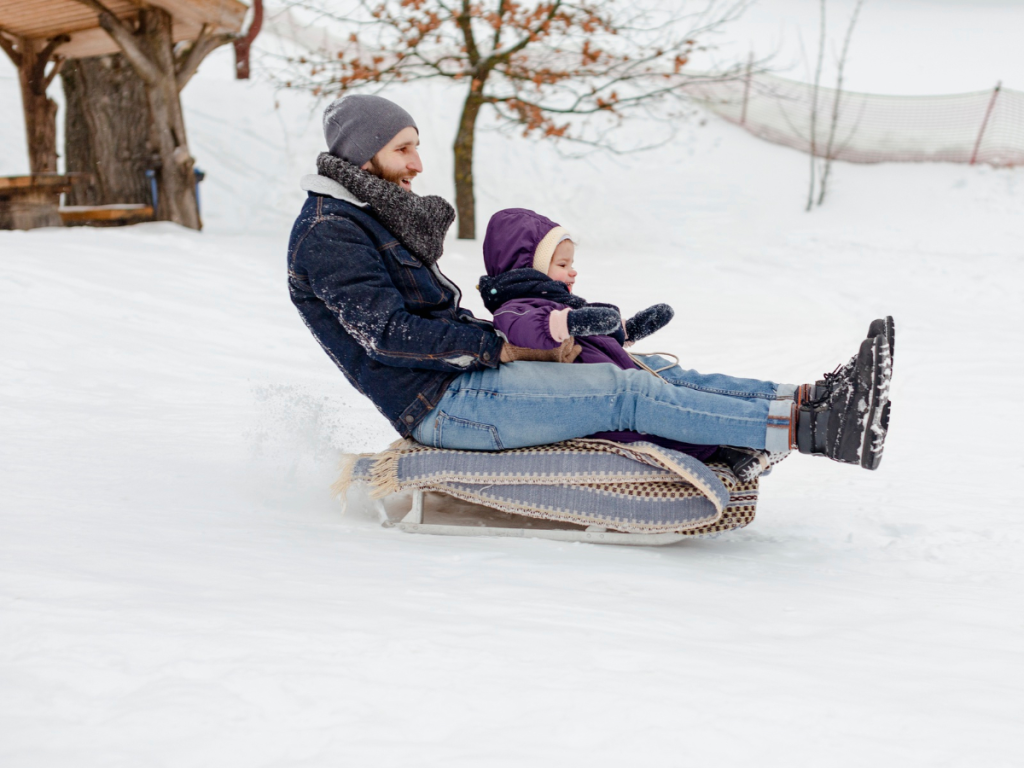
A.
pixel 546 248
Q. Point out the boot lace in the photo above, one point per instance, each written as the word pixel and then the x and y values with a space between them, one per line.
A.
pixel 829 386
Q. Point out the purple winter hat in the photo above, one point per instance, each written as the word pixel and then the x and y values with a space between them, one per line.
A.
pixel 518 238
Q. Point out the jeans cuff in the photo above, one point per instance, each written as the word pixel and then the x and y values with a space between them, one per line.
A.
pixel 781 426
pixel 785 391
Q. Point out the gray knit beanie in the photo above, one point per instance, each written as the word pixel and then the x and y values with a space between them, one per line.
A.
pixel 359 126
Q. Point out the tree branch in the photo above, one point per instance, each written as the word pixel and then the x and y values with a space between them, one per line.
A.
pixel 465 24
pixel 125 40
pixel 58 65
pixel 9 49
pixel 187 64
pixel 500 56
pixel 39 79
pixel 496 41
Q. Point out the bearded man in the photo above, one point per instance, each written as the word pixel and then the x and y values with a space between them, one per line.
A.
pixel 362 271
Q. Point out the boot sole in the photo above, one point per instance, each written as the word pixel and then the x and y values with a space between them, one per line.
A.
pixel 889 329
pixel 876 417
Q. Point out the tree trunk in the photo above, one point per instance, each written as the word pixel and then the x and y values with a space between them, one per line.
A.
pixel 175 177
pixel 40 111
pixel 465 199
pixel 107 130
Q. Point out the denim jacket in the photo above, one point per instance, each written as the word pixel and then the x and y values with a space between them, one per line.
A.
pixel 392 325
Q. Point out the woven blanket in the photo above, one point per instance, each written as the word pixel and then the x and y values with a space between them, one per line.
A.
pixel 635 488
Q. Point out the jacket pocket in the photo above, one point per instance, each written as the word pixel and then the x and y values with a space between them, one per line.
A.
pixel 405 258
pixel 462 434
pixel 417 284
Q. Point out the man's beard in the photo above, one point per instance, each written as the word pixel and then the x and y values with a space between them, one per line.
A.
pixel 395 177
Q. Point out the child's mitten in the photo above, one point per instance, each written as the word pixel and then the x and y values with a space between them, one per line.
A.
pixel 647 321
pixel 593 321
pixel 619 334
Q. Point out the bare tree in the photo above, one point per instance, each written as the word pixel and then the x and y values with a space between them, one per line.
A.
pixel 107 131
pixel 815 92
pixel 567 71
pixel 830 148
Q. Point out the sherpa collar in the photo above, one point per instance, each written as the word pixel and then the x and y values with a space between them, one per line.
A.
pixel 525 283
pixel 321 185
pixel 419 223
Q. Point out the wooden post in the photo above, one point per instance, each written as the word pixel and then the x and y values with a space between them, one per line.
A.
pixel 177 200
pixel 243 43
pixel 31 57
pixel 984 122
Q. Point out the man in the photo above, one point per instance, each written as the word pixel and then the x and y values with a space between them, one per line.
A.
pixel 362 267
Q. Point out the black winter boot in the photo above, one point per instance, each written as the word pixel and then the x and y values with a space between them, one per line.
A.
pixel 847 422
pixel 882 326
pixel 887 326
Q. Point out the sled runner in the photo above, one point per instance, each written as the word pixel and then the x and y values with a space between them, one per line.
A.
pixel 578 490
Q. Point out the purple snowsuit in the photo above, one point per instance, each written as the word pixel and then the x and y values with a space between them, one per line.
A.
pixel 522 300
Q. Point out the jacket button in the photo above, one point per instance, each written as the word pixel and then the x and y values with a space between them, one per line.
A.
pixel 487 356
pixel 409 419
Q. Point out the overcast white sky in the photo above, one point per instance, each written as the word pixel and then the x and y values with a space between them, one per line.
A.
pixel 899 46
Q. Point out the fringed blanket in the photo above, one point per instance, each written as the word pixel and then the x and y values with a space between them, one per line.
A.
pixel 636 488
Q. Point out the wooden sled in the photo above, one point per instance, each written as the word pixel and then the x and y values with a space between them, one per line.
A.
pixel 442 515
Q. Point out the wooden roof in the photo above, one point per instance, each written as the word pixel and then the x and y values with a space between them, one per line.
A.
pixel 43 19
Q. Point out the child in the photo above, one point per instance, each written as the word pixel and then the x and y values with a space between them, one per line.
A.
pixel 529 290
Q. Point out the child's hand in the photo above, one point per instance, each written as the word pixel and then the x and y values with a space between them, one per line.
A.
pixel 647 321
pixel 593 321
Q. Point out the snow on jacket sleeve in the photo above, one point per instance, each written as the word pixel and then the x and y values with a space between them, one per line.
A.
pixel 525 322
pixel 346 272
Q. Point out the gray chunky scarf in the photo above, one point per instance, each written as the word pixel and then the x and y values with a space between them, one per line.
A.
pixel 419 223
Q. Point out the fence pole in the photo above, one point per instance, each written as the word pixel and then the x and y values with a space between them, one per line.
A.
pixel 984 123
pixel 746 89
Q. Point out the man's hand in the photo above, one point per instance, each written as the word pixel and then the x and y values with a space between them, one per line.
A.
pixel 566 352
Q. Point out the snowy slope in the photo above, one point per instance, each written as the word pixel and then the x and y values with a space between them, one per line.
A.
pixel 178 587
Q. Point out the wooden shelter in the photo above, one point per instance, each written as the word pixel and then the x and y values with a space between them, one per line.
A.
pixel 43 20
pixel 163 40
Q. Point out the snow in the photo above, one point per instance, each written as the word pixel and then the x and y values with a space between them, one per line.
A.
pixel 179 588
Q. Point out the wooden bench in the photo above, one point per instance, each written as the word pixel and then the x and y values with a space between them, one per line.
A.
pixel 105 215
pixel 28 202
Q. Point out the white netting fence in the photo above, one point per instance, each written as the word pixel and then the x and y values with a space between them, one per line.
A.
pixel 983 127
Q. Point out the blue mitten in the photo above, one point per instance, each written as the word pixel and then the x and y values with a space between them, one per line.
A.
pixel 647 321
pixel 593 321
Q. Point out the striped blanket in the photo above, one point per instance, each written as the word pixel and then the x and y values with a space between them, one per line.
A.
pixel 635 488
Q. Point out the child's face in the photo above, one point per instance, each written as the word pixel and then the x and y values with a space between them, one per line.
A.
pixel 561 264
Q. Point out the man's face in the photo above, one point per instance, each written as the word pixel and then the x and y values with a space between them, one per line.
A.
pixel 399 161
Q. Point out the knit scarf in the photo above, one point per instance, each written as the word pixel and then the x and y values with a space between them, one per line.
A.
pixel 419 223
pixel 525 284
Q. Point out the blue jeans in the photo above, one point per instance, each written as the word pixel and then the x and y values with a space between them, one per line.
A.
pixel 521 404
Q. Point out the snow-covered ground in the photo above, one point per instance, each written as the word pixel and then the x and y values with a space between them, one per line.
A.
pixel 179 588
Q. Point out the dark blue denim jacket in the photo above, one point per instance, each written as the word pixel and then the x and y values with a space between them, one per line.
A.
pixel 391 324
